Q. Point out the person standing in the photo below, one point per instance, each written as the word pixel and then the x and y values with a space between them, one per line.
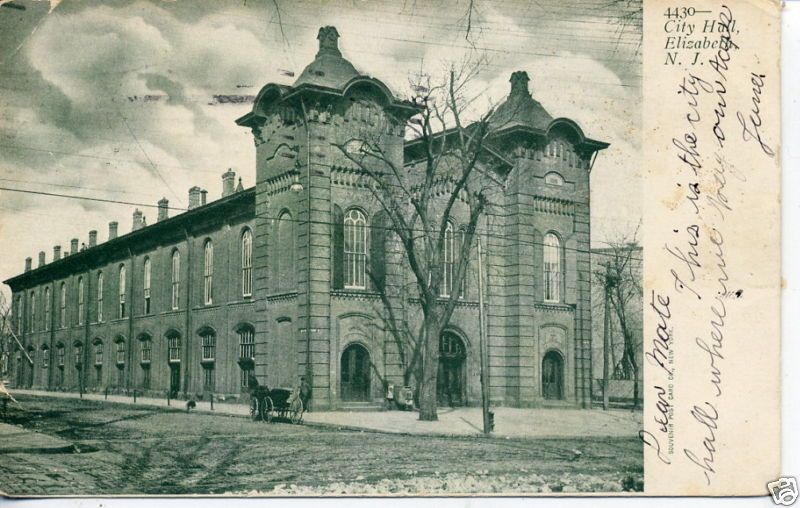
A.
pixel 305 393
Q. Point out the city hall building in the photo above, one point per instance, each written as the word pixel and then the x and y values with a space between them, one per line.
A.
pixel 272 279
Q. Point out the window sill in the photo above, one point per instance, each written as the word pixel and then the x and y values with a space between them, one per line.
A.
pixel 355 293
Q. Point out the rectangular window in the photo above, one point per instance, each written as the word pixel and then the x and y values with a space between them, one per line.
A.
pixel 120 352
pixel 147 352
pixel 61 356
pixel 209 347
pixel 98 354
pixel 32 319
pixel 45 358
pixel 174 346
pixel 78 355
pixel 247 264
pixel 98 370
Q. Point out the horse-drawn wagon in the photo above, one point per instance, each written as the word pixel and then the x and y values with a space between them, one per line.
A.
pixel 267 404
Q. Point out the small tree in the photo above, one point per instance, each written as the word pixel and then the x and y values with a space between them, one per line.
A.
pixel 419 198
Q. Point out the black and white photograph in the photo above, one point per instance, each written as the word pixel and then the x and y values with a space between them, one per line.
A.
pixel 321 248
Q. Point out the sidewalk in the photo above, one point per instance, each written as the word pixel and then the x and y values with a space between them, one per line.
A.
pixel 509 422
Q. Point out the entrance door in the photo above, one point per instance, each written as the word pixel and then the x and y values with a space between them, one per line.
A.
pixel 450 385
pixel 174 379
pixel 355 373
pixel 553 376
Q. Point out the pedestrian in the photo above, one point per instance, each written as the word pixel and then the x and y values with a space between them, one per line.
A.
pixel 305 393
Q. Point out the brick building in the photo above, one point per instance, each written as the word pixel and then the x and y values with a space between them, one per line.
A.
pixel 272 279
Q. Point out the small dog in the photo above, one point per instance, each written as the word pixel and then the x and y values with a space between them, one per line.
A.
pixel 190 404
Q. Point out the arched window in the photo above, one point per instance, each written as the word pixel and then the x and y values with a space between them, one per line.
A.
pixel 284 252
pixel 80 301
pixel 209 344
pixel 208 273
pixel 247 352
pixel 448 261
pixel 247 263
pixel 176 279
pixel 47 305
pixel 60 355
pixel 552 268
pixel 62 315
pixel 146 286
pixel 355 249
pixel 32 319
pixel 553 178
pixel 122 291
pixel 99 297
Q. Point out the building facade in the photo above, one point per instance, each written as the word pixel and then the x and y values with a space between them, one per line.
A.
pixel 273 280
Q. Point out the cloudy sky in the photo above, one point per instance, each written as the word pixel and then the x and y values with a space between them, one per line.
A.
pixel 115 99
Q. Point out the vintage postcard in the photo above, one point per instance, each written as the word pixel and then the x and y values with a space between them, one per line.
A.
pixel 376 248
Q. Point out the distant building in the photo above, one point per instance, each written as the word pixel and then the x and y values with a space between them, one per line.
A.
pixel 273 279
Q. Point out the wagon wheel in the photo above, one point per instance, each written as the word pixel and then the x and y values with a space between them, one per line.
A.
pixel 296 410
pixel 269 410
pixel 254 408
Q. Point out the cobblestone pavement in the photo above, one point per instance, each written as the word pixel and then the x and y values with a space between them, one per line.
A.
pixel 137 450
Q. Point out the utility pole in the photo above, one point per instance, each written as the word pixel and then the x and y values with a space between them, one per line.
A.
pixel 487 424
pixel 606 335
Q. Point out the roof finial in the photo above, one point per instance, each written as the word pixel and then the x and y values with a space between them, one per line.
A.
pixel 328 41
pixel 519 83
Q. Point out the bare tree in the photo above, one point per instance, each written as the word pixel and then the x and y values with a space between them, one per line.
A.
pixel 619 274
pixel 447 178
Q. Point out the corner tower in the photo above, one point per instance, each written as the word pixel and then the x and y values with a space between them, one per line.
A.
pixel 299 131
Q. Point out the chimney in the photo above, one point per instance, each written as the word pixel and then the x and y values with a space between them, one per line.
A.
pixel 203 196
pixel 228 179
pixel 92 238
pixel 194 197
pixel 28 262
pixel 41 258
pixel 519 84
pixel 138 221
pixel 73 246
pixel 56 253
pixel 112 230
pixel 163 209
pixel 328 39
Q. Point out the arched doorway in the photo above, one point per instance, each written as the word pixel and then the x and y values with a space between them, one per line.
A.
pixel 355 373
pixel 553 376
pixel 451 378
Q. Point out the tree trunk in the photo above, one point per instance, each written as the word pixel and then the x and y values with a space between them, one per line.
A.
pixel 430 369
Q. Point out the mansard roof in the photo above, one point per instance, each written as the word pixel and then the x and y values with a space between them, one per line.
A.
pixel 239 204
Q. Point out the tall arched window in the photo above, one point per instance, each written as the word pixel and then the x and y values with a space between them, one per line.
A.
pixel 145 357
pixel 98 362
pixel 176 279
pixel 284 252
pixel 47 305
pixel 122 291
pixel 32 320
pixel 99 297
pixel 448 261
pixel 120 360
pixel 247 352
pixel 355 249
pixel 62 307
pixel 45 356
pixel 552 268
pixel 208 273
pixel 78 352
pixel 19 313
pixel 247 263
pixel 146 286
pixel 174 347
pixel 80 301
